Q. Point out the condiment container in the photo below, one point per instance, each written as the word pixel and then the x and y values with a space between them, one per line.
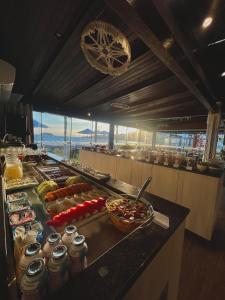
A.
pixel 69 234
pixel 168 158
pixel 77 253
pixel 178 160
pixel 52 240
pixel 31 252
pixel 190 163
pixel 34 281
pixel 58 266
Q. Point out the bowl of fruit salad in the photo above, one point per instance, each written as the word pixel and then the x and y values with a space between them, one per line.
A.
pixel 127 214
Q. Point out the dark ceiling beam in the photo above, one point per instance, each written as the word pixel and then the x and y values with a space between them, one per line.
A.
pixel 176 112
pixel 143 71
pixel 151 92
pixel 131 18
pixel 162 7
pixel 168 107
pixel 94 10
pixel 182 126
pixel 146 104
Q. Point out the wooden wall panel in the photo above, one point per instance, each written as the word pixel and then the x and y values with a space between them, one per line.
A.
pixel 164 182
pixel 106 163
pixel 139 172
pixel 88 158
pixel 199 193
pixel 123 169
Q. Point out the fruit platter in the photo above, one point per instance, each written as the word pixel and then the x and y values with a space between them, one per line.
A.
pixel 78 200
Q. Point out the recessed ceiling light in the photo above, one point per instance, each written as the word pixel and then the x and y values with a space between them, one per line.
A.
pixel 207 22
pixel 222 74
pixel 168 43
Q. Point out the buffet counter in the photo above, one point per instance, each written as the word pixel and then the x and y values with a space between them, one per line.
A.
pixel 200 192
pixel 142 264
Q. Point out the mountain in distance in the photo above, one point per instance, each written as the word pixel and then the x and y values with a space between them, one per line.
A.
pixel 47 134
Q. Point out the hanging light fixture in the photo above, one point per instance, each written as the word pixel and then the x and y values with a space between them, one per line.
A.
pixel 106 48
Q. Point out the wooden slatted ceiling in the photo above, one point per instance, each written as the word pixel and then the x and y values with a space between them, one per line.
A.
pixel 159 92
pixel 29 35
pixel 65 83
pixel 134 21
pixel 143 71
pixel 70 74
pixel 161 109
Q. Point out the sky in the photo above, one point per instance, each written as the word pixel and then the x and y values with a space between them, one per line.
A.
pixel 55 124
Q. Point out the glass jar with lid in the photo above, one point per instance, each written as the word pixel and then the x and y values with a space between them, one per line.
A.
pixel 177 160
pixel 159 157
pixel 168 158
pixel 190 162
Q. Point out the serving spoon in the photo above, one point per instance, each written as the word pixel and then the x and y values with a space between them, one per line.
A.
pixel 143 188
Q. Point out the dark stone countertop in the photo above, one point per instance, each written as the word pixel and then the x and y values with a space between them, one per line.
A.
pixel 126 260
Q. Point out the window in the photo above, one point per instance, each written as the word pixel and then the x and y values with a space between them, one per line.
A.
pixel 120 135
pixel 145 138
pixel 82 135
pixel 132 135
pixel 220 142
pixel 102 133
pixel 181 140
pixel 53 131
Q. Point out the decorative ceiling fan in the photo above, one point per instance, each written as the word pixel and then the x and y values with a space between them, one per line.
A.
pixel 106 48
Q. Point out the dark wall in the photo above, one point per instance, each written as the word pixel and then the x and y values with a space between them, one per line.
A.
pixel 13 120
pixel 16 125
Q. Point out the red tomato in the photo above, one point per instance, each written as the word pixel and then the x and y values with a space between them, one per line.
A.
pixel 82 210
pixel 97 205
pixel 56 218
pixel 54 223
pixel 63 216
pixel 102 198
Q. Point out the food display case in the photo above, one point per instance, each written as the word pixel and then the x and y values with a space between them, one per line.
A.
pixel 84 199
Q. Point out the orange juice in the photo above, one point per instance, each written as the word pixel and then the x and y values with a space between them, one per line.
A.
pixel 13 171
